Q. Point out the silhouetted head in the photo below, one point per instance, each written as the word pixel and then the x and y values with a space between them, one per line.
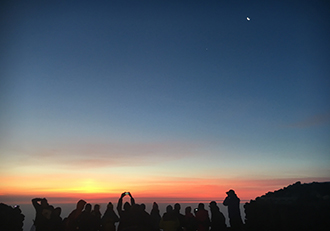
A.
pixel 97 207
pixel 44 202
pixel 143 207
pixel 213 204
pixel 127 206
pixel 88 207
pixel 188 210
pixel 200 206
pixel 177 207
pixel 57 211
pixel 110 205
pixel 169 209
pixel 231 193
pixel 155 206
pixel 81 204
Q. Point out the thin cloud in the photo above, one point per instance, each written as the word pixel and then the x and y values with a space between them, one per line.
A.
pixel 315 120
pixel 96 155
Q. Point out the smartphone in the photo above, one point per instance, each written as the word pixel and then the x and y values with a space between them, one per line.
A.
pixel 126 193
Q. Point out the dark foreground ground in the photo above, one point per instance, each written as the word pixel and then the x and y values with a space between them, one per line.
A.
pixel 296 207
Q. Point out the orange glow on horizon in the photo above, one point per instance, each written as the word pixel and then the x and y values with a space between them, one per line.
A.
pixel 70 188
pixel 178 191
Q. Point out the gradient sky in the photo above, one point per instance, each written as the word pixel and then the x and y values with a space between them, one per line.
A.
pixel 166 99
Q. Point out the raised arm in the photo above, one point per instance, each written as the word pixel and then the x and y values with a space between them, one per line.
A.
pixel 226 201
pixel 35 203
pixel 120 204
pixel 132 199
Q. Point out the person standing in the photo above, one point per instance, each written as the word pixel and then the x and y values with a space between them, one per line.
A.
pixel 189 220
pixel 44 211
pixel 218 221
pixel 234 213
pixel 71 222
pixel 169 221
pixel 180 216
pixel 155 217
pixel 109 218
pixel 56 220
pixel 96 218
pixel 202 218
pixel 125 215
pixel 85 220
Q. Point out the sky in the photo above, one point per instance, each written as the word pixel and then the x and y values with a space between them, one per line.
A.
pixel 170 100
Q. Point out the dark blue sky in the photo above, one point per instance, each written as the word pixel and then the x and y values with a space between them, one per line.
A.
pixel 197 73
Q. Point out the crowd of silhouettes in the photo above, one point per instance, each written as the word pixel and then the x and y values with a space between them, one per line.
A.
pixel 133 217
pixel 296 207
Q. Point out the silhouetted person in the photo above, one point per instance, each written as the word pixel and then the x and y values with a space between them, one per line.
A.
pixel 43 214
pixel 232 201
pixel 189 220
pixel 56 220
pixel 71 223
pixel 96 218
pixel 169 221
pixel 218 221
pixel 145 218
pixel 11 218
pixel 126 215
pixel 180 216
pixel 85 220
pixel 202 218
pixel 109 219
pixel 155 217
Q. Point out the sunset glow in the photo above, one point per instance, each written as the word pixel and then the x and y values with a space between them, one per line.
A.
pixel 169 100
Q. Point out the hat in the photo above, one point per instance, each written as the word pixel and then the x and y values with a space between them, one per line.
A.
pixel 231 192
